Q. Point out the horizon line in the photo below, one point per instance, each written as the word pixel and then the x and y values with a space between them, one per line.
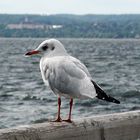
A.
pixel 115 14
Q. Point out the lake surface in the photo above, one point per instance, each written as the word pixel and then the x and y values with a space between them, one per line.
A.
pixel 24 99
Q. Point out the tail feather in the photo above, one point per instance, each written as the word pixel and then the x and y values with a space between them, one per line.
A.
pixel 102 95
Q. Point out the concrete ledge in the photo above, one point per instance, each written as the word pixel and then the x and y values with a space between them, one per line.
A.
pixel 118 126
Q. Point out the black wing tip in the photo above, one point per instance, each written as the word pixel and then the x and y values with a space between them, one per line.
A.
pixel 102 95
pixel 113 100
pixel 116 101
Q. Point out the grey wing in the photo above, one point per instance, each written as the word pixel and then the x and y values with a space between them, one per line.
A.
pixel 80 65
pixel 70 80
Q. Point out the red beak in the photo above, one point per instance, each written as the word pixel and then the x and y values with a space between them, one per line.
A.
pixel 32 52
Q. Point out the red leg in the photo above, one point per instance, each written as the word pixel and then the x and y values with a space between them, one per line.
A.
pixel 69 118
pixel 58 115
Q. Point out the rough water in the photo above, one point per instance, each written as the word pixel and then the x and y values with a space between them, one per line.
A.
pixel 24 99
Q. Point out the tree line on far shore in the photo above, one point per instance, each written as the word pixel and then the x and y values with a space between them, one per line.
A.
pixel 73 26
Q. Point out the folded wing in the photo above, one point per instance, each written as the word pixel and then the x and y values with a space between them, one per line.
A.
pixel 71 78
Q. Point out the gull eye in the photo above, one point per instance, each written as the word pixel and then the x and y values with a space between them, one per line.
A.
pixel 44 48
pixel 52 48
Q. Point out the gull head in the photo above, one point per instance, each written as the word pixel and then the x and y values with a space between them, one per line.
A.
pixel 49 48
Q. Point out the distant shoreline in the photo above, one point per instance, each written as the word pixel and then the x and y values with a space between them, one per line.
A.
pixel 70 26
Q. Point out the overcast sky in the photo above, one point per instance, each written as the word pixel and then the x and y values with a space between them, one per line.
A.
pixel 70 6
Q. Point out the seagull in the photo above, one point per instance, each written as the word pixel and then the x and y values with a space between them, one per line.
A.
pixel 66 75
